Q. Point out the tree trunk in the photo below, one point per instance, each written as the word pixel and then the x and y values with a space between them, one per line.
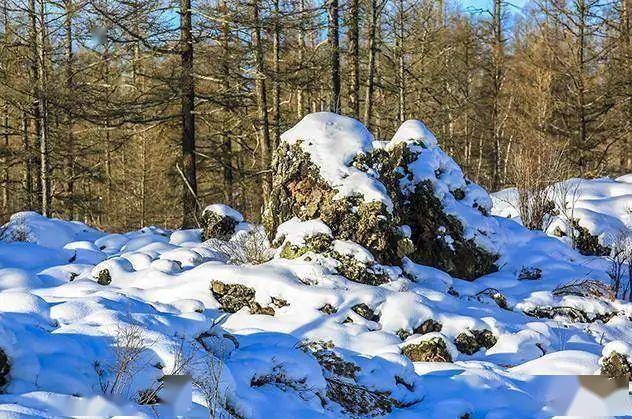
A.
pixel 187 91
pixel 333 40
pixel 372 39
pixel 276 88
pixel 227 143
pixel 262 102
pixel 300 105
pixel 354 52
pixel 45 175
pixel 497 80
pixel 70 140
pixel 401 69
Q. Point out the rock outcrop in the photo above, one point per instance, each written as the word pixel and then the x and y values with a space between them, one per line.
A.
pixel 396 199
pixel 219 222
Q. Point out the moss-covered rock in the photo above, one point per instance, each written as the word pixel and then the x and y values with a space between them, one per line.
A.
pixel 298 190
pixel 471 341
pixel 104 277
pixel 437 237
pixel 342 388
pixel 365 311
pixel 219 222
pixel 427 326
pixel 4 369
pixel 328 309
pixel 431 350
pixel 616 366
pixel 234 297
pixel 586 243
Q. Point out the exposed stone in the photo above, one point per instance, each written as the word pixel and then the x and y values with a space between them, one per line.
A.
pixel 328 309
pixel 234 297
pixel 430 224
pixel 299 191
pixel 104 277
pixel 318 243
pixel 4 369
pixel 586 243
pixel 279 302
pixel 471 341
pixel 437 238
pixel 365 311
pixel 531 274
pixel 364 273
pixel 616 366
pixel 342 387
pixel 217 226
pixel 572 314
pixel 428 326
pixel 431 350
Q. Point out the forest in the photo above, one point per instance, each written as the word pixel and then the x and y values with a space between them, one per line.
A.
pixel 123 114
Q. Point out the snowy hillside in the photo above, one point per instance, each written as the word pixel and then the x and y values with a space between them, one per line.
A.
pixel 342 306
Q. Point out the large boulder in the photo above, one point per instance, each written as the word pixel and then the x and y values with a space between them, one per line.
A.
pixel 402 198
pixel 219 221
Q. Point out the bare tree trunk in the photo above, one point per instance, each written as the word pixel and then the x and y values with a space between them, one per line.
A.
pixel 354 52
pixel 497 80
pixel 401 69
pixel 227 143
pixel 262 102
pixel 374 12
pixel 276 87
pixel 35 94
pixel 187 108
pixel 300 105
pixel 333 40
pixel 70 140
pixel 45 175
pixel 28 163
pixel 5 121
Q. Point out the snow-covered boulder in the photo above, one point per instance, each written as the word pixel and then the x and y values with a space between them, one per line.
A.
pixel 219 221
pixel 404 198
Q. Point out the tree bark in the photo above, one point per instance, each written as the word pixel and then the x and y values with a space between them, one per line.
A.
pixel 333 40
pixel 45 175
pixel 354 53
pixel 262 102
pixel 227 143
pixel 187 108
pixel 276 87
pixel 70 140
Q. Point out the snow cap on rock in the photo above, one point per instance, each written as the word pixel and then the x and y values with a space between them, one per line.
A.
pixel 224 211
pixel 414 130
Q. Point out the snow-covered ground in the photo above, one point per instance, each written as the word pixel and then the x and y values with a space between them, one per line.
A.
pixel 75 303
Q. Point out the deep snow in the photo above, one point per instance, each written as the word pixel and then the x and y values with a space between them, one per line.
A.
pixel 56 321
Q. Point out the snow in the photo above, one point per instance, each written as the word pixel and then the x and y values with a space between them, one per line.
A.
pixel 56 321
pixel 295 231
pixel 332 142
pixel 603 206
pixel 224 211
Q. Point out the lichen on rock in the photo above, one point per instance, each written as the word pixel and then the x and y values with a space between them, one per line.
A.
pixel 471 341
pixel 327 169
pixel 219 222
pixel 430 350
pixel 234 297
pixel 616 365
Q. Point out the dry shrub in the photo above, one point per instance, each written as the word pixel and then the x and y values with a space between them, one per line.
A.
pixel 585 288
pixel 534 172
pixel 130 348
pixel 621 264
pixel 245 247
